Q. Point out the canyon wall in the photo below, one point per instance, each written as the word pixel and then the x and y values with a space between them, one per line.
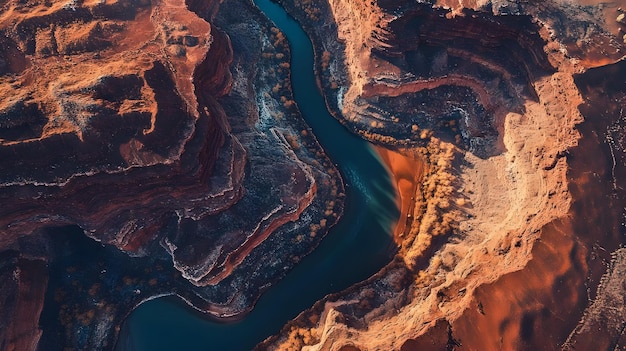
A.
pixel 166 132
pixel 138 123
pixel 476 107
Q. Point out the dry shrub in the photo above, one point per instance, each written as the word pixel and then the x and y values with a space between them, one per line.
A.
pixel 434 214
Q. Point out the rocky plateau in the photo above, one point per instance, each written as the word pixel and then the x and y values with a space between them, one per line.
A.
pixel 166 132
pixel 485 114
pixel 144 126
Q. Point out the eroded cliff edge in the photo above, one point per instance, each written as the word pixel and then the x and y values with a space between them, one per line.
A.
pixel 145 125
pixel 478 108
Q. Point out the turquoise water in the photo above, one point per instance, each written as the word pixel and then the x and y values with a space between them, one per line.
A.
pixel 358 246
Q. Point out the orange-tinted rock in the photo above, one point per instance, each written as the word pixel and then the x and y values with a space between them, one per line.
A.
pixel 495 249
pixel 123 118
pixel 101 98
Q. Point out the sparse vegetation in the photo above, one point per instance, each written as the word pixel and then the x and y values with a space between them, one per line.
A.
pixel 325 59
pixel 433 213
pixel 299 337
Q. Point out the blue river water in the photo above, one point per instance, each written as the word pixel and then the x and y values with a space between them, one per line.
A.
pixel 358 246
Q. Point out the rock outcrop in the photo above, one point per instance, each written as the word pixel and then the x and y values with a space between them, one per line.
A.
pixel 137 122
pixel 166 131
pixel 476 109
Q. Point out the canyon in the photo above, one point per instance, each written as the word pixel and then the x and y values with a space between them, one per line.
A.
pixel 167 135
pixel 138 123
pixel 477 110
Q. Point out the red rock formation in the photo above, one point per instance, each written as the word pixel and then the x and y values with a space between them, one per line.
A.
pixel 482 96
pixel 118 117
pixel 24 299
pixel 142 100
pixel 139 123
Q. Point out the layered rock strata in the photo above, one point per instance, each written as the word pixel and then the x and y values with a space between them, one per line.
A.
pixel 479 105
pixel 137 122
pixel 167 132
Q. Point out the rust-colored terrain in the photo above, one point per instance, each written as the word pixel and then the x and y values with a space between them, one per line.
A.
pixel 166 130
pixel 506 148
pixel 137 122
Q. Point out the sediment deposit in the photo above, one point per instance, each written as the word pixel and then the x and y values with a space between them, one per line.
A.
pixel 476 109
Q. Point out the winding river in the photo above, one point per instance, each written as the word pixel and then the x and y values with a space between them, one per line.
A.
pixel 358 246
